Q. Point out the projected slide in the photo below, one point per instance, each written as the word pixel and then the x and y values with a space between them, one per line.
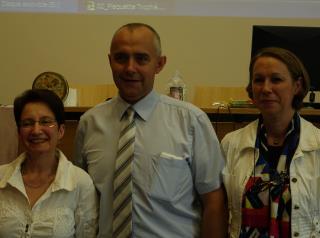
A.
pixel 247 8
pixel 39 5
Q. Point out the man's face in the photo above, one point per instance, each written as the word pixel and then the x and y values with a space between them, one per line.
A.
pixel 134 62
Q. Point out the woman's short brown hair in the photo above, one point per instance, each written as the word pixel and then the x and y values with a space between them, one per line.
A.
pixel 294 65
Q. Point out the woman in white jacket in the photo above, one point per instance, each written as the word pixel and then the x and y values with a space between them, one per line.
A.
pixel 272 172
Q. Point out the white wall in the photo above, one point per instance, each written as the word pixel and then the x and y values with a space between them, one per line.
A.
pixel 206 50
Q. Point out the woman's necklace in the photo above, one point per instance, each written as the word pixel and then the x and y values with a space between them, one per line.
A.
pixel 273 141
pixel 276 141
pixel 35 184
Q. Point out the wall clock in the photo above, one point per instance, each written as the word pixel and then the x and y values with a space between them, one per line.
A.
pixel 52 81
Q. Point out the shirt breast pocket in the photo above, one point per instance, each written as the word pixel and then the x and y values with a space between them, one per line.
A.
pixel 171 177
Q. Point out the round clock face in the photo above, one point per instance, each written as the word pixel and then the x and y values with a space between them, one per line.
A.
pixel 52 81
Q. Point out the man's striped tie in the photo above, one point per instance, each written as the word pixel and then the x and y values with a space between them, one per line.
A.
pixel 122 193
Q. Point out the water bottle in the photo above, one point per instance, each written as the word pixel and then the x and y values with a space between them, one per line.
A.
pixel 176 87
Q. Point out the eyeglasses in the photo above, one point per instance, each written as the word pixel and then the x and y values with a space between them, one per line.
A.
pixel 280 179
pixel 45 122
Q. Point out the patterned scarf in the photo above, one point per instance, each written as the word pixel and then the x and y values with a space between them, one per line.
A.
pixel 266 207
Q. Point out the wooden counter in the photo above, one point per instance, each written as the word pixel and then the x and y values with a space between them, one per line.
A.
pixel 224 120
pixel 215 114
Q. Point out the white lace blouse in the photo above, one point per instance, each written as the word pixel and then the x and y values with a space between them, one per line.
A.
pixel 67 209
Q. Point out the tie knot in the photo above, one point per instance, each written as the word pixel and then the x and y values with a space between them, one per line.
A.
pixel 130 113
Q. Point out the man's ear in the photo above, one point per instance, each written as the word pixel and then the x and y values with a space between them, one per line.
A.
pixel 161 63
pixel 109 57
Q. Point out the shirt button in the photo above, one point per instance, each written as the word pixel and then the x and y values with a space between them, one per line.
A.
pixel 296 234
pixel 296 207
pixel 294 180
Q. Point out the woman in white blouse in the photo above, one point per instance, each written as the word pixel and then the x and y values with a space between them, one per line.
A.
pixel 42 194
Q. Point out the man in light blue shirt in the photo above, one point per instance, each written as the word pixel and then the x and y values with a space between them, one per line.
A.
pixel 176 170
